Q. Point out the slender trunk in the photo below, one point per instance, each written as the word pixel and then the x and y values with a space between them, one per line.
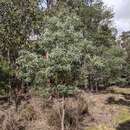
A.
pixel 91 84
pixel 10 89
pixel 49 3
pixel 63 114
pixel 14 82
pixel 85 78
pixel 96 85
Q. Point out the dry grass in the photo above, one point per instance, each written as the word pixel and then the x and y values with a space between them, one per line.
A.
pixel 12 120
pixel 76 110
pixel 119 90
pixel 84 111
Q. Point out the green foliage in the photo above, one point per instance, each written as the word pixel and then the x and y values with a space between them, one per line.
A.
pixel 31 65
pixel 65 90
pixel 76 45
pixel 125 42
pixel 18 20
pixel 63 54
pixel 16 23
pixel 81 48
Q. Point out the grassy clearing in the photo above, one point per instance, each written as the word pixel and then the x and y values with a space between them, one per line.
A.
pixel 118 90
pixel 122 116
pixel 90 110
pixel 101 127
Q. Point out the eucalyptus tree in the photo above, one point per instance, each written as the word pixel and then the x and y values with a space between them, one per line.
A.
pixel 61 39
pixel 18 19
pixel 125 43
pixel 76 48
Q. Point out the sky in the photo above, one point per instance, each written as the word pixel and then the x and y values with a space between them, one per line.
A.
pixel 121 9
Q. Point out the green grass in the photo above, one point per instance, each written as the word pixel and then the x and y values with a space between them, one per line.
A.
pixel 118 90
pixel 100 127
pixel 124 112
pixel 123 116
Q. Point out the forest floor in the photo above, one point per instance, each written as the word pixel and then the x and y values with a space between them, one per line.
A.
pixel 113 110
pixel 109 110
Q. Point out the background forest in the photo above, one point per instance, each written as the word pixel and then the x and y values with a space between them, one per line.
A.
pixel 70 44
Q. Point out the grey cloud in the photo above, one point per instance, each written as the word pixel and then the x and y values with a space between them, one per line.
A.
pixel 122 13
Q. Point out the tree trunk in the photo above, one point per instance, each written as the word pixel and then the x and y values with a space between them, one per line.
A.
pixel 96 85
pixel 50 3
pixel 63 114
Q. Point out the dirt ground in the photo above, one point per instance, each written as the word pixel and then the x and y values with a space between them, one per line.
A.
pixel 108 110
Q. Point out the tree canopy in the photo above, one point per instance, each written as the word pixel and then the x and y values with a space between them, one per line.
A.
pixel 76 45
